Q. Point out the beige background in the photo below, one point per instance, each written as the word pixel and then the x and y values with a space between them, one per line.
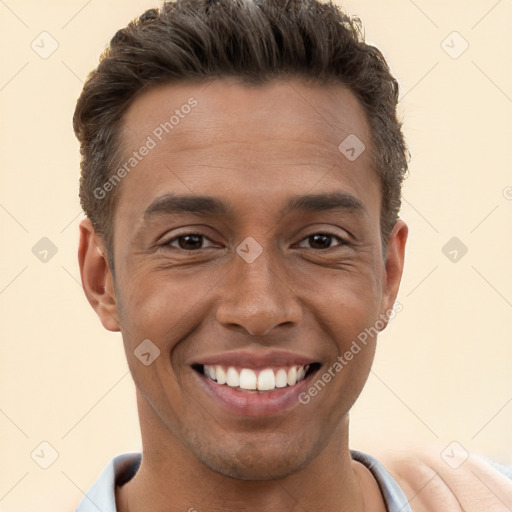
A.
pixel 443 370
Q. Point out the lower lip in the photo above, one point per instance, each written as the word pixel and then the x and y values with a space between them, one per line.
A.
pixel 254 403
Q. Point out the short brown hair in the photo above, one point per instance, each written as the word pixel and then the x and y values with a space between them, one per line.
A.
pixel 254 40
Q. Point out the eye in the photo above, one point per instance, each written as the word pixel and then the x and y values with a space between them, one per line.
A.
pixel 187 241
pixel 323 240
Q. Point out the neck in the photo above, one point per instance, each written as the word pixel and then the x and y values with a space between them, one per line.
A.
pixel 172 479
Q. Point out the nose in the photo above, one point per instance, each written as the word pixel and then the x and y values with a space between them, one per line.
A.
pixel 258 297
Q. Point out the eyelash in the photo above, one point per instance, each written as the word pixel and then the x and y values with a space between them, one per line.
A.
pixel 342 241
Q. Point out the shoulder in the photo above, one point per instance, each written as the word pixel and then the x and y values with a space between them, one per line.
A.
pixel 449 479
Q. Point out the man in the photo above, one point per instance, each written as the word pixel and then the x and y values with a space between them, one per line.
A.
pixel 241 175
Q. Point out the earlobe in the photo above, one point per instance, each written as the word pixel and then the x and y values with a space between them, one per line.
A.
pixel 394 265
pixel 97 280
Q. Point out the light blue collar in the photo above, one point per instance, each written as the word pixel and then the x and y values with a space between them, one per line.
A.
pixel 101 496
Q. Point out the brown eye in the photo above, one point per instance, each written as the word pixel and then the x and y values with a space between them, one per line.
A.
pixel 187 242
pixel 323 240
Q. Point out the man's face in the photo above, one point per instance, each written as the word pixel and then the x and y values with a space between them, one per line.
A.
pixel 257 281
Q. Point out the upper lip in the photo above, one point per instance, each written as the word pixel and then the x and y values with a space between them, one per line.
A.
pixel 259 359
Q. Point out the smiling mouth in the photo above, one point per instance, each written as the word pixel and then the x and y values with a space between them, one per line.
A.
pixel 259 380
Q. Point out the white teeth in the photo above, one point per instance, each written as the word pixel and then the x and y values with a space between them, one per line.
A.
pixel 248 379
pixel 210 371
pixel 221 374
pixel 281 378
pixel 266 380
pixel 292 376
pixel 232 378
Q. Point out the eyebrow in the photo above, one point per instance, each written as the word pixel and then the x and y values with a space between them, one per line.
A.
pixel 170 204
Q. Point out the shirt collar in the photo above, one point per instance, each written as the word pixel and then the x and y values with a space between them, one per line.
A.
pixel 101 497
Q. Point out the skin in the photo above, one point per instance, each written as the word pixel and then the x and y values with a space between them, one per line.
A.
pixel 252 148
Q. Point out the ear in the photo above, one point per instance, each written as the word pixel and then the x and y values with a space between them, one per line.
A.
pixel 97 280
pixel 393 267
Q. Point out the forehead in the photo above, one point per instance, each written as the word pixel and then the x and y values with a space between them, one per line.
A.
pixel 312 111
pixel 241 140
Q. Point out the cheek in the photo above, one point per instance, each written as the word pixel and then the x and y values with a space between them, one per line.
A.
pixel 155 316
pixel 347 304
pixel 349 316
pixel 162 309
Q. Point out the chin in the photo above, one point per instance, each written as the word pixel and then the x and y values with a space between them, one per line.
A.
pixel 262 469
pixel 250 462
